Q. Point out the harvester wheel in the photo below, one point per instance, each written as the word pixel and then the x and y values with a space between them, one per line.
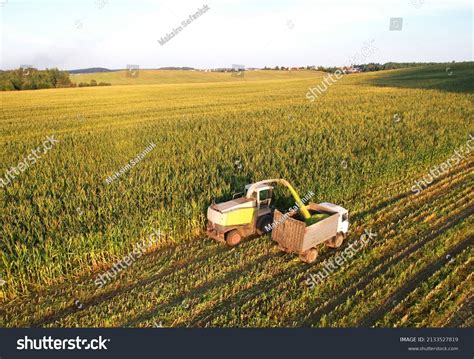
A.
pixel 233 238
pixel 263 222
pixel 335 242
pixel 309 256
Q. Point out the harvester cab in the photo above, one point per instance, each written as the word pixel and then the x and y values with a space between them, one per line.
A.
pixel 263 195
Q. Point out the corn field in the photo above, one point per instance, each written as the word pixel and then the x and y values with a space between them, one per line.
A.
pixel 359 145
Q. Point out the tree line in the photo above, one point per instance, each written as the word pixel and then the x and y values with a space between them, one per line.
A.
pixel 33 79
pixel 373 66
pixel 361 68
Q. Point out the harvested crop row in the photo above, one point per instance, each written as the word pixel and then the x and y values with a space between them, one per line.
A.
pixel 399 190
pixel 434 297
pixel 382 294
pixel 172 290
pixel 463 317
pixel 60 301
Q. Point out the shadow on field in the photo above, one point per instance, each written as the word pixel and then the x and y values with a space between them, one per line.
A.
pixel 199 290
pixel 247 295
pixel 102 297
pixel 371 318
pixel 250 293
pixel 455 77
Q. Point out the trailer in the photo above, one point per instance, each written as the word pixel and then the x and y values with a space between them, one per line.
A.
pixel 294 235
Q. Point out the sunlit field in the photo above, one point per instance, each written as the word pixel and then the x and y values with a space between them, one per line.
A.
pixel 362 144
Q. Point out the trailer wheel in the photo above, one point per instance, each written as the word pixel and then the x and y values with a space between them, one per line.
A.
pixel 233 238
pixel 336 241
pixel 309 256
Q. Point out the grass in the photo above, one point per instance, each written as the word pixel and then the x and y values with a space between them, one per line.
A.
pixel 456 77
pixel 62 224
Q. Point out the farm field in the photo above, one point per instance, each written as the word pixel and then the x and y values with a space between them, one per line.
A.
pixel 362 144
pixel 155 77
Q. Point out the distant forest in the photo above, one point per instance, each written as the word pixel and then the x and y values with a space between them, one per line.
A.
pixel 33 79
pixel 378 67
pixel 358 68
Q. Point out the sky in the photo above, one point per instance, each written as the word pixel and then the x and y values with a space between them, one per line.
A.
pixel 253 33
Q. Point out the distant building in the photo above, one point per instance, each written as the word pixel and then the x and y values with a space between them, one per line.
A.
pixel 351 69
